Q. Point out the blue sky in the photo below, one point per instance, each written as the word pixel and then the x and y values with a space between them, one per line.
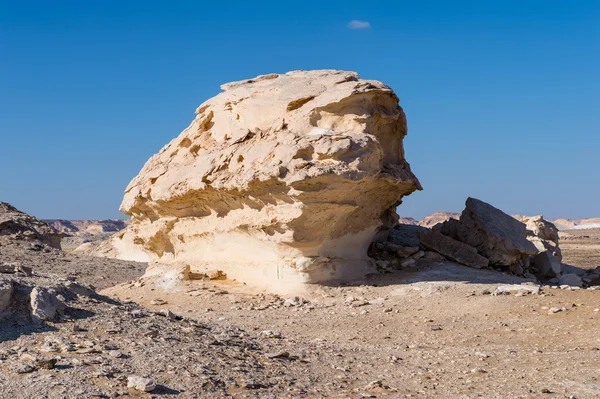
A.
pixel 502 97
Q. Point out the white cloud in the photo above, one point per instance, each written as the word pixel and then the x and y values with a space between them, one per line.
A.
pixel 356 24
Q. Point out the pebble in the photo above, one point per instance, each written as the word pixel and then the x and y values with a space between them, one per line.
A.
pixel 556 310
pixel 24 368
pixel 114 353
pixel 270 334
pixel 46 363
pixel 478 370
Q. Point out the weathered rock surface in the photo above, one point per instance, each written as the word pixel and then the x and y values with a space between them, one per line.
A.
pixel 496 235
pixel 546 264
pixel 544 235
pixel 279 178
pixel 406 235
pixel 452 249
pixel 44 303
pixel 570 279
pixel 541 228
pixel 26 227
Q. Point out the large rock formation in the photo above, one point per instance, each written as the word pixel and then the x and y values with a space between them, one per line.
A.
pixel 281 177
pixel 497 236
pixel 22 226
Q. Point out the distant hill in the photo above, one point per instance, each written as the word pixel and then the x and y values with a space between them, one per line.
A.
pixel 93 227
pixel 561 224
pixel 577 224
pixel 82 231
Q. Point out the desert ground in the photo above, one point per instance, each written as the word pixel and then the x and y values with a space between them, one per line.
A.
pixel 436 330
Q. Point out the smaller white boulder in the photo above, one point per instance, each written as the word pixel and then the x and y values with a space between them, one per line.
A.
pixel 44 303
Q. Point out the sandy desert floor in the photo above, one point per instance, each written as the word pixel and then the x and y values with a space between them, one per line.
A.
pixel 433 331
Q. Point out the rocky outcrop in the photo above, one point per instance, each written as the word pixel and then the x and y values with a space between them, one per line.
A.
pixel 496 235
pixel 22 226
pixel 278 178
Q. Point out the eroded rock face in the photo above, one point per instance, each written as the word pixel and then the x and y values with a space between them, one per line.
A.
pixel 281 177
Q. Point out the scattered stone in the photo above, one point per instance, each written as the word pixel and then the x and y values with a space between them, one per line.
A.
pixel 556 310
pixel 516 288
pixel 295 301
pixel 46 363
pixel 140 383
pixel 114 353
pixel 278 355
pixel 270 334
pixel 24 368
pixel 478 370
